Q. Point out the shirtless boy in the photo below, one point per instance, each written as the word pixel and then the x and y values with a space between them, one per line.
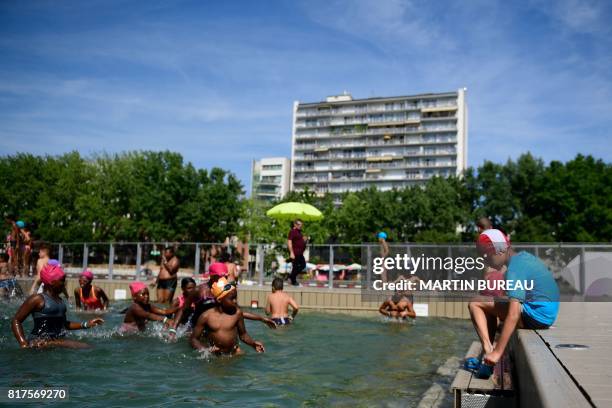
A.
pixel 278 302
pixel 201 299
pixel 224 324
pixel 43 259
pixel 398 306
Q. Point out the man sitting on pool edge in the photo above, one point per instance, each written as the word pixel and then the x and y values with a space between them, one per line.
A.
pixel 224 324
pixel 534 309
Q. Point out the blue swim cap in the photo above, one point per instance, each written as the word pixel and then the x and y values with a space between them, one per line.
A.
pixel 382 235
pixel 20 224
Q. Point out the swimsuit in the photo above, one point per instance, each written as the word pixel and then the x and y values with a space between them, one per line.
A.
pixel 186 317
pixel 281 321
pixel 91 302
pixel 167 284
pixel 50 322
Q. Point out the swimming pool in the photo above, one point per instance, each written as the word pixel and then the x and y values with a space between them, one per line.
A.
pixel 322 360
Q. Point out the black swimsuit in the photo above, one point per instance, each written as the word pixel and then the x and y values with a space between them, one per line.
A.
pixel 169 284
pixel 50 322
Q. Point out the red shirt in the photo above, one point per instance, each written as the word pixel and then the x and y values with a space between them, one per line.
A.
pixel 297 241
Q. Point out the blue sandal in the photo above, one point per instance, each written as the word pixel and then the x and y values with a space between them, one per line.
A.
pixel 484 371
pixel 471 364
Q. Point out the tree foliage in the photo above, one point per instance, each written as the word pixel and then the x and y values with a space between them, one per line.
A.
pixel 156 196
pixel 147 196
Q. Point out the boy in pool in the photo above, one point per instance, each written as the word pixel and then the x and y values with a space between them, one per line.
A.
pixel 224 324
pixel 142 311
pixel 201 299
pixel 43 259
pixel 400 304
pixel 88 296
pixel 49 313
pixel 278 302
pixel 397 306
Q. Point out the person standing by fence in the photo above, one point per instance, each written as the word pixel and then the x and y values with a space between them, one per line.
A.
pixel 296 243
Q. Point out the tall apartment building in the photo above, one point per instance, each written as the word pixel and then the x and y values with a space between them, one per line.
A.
pixel 270 178
pixel 346 144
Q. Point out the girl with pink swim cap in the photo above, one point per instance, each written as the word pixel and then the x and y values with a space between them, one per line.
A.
pixel 88 296
pixel 141 311
pixel 49 313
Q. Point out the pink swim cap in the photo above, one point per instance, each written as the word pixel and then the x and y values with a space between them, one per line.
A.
pixel 136 287
pixel 87 274
pixel 218 268
pixel 51 272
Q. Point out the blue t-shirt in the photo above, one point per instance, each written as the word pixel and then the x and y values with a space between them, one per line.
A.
pixel 542 302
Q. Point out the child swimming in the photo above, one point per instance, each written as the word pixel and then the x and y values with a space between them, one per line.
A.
pixel 142 311
pixel 201 299
pixel 49 313
pixel 185 302
pixel 278 302
pixel 88 296
pixel 398 306
pixel 224 324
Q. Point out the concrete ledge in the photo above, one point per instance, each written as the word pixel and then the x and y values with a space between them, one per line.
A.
pixel 542 380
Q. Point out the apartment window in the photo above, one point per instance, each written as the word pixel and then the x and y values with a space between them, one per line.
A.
pixel 376 118
pixel 272 167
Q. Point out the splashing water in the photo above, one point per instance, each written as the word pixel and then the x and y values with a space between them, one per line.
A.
pixel 320 360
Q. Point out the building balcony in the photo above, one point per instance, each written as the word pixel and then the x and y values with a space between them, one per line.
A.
pixel 439 108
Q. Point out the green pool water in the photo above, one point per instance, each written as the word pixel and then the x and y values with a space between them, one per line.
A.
pixel 322 360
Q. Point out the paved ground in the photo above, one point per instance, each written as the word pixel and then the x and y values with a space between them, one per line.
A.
pixel 587 324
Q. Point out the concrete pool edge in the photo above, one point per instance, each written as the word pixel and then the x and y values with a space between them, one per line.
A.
pixel 542 380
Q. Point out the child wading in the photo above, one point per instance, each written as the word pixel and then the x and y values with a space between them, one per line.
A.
pixel 224 324
pixel 49 313
pixel 88 296
pixel 278 302
pixel 141 311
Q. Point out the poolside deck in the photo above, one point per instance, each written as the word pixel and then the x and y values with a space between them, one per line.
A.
pixel 588 324
pixel 550 376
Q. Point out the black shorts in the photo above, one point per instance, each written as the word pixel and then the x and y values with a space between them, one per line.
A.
pixel 531 323
pixel 281 321
pixel 169 284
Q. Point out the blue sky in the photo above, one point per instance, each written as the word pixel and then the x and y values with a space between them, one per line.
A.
pixel 216 81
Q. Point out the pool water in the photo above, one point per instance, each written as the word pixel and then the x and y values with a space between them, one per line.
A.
pixel 322 360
